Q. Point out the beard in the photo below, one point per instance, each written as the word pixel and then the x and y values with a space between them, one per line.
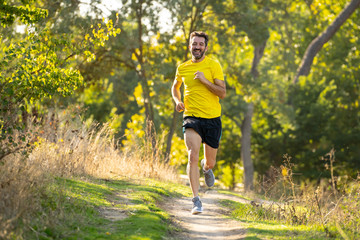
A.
pixel 198 55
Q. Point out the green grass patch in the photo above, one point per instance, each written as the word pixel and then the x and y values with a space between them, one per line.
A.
pixel 255 220
pixel 75 209
pixel 233 194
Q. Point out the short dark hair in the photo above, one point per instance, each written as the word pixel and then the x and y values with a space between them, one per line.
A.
pixel 199 34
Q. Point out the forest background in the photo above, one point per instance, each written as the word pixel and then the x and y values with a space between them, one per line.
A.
pixel 66 59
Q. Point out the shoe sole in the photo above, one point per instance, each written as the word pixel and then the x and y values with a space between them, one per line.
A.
pixel 196 212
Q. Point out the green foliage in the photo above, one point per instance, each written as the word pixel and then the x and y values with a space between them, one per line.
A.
pixel 39 67
pixel 321 112
pixel 31 71
pixel 10 10
pixel 136 126
pixel 229 167
pixel 179 153
pixel 35 64
pixel 96 100
pixel 249 16
pixel 230 174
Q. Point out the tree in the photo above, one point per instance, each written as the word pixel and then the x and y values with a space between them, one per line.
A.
pixel 251 18
pixel 316 45
pixel 324 100
pixel 138 21
pixel 39 67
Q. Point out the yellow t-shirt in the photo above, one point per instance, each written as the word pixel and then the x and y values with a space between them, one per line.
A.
pixel 198 99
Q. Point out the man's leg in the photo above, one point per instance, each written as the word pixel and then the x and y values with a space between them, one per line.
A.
pixel 193 144
pixel 208 163
pixel 210 157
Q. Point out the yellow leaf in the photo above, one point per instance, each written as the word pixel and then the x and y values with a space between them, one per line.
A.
pixel 133 57
pixel 284 171
pixel 138 94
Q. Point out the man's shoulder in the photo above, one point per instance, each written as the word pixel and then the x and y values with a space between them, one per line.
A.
pixel 212 60
pixel 184 64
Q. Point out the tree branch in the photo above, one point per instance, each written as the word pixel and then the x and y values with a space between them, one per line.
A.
pixel 316 45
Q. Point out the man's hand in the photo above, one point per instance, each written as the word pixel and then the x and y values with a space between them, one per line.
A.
pixel 175 90
pixel 180 107
pixel 218 87
pixel 200 76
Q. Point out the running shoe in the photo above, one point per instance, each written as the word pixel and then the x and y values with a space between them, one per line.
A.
pixel 208 175
pixel 197 206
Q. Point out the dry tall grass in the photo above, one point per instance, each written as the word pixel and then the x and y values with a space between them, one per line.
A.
pixel 333 204
pixel 62 149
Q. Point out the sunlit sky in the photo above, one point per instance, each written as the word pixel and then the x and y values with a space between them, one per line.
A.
pixel 108 5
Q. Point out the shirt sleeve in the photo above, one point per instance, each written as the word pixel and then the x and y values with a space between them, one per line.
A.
pixel 218 72
pixel 178 76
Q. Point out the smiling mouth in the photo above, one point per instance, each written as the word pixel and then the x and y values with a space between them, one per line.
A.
pixel 197 53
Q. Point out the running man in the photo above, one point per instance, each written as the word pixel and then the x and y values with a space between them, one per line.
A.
pixel 203 86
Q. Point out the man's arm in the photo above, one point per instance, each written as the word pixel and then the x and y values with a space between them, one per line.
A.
pixel 218 87
pixel 176 94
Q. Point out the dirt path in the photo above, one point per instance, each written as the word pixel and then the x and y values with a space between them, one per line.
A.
pixel 211 224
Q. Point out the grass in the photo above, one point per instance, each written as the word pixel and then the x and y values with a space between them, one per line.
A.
pixel 306 211
pixel 63 147
pixel 244 196
pixel 76 182
pixel 80 205
pixel 252 219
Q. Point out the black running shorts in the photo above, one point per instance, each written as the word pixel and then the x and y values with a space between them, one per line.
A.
pixel 208 129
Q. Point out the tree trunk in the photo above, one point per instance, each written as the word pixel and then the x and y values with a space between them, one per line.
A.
pixel 316 45
pixel 149 112
pixel 258 54
pixel 246 148
pixel 233 173
pixel 246 125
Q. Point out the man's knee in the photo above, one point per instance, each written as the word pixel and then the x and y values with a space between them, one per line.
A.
pixel 193 157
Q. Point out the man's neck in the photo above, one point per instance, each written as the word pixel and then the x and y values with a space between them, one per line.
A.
pixel 194 60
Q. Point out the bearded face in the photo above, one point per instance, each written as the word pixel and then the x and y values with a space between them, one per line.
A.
pixel 198 53
pixel 198 48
